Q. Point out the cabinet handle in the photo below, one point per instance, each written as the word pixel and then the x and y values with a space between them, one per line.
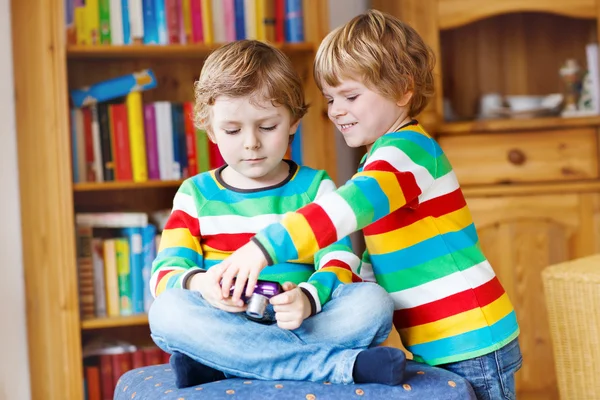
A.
pixel 516 157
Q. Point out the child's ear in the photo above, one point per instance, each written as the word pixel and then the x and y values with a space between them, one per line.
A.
pixel 294 127
pixel 405 99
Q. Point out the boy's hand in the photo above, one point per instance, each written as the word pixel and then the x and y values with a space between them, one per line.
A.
pixel 207 284
pixel 291 307
pixel 244 265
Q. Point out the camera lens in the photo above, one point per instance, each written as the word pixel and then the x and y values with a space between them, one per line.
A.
pixel 256 306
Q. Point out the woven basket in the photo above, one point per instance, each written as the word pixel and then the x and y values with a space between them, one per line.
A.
pixel 572 291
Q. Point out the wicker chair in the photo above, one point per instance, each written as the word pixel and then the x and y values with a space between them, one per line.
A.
pixel 572 292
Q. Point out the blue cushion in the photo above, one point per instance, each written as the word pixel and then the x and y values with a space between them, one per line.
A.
pixel 421 382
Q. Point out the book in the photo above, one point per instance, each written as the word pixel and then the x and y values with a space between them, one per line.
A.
pixel 135 117
pixel 114 88
pixel 294 21
pixel 112 219
pixel 207 24
pixel 116 23
pixel 150 135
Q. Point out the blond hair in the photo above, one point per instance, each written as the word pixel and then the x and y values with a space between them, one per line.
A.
pixel 386 54
pixel 248 68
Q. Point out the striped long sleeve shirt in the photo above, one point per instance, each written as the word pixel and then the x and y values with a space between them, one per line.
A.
pixel 422 247
pixel 211 219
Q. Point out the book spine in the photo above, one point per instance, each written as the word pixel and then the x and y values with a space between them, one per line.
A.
pixel 136 264
pixel 125 20
pixel 279 21
pixel 85 272
pixel 99 285
pixel 296 146
pixel 97 143
pixel 202 151
pixel 151 142
pixel 136 136
pixel 207 24
pixel 149 252
pixel 104 21
pixel 116 23
pixel 294 21
pixel 229 18
pixel 164 136
pixel 186 19
pixel 190 138
pixel 197 24
pixel 250 19
pixel 80 146
pixel 111 277
pixel 106 377
pixel 240 24
pixel 124 276
pixel 177 161
pixel 173 21
pixel 150 22
pixel 136 20
pixel 218 21
pixel 162 26
pixel 120 129
pixel 82 33
pixel 93 20
pixel 108 166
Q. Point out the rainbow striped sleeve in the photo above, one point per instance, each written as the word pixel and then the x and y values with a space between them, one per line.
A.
pixel 335 264
pixel 398 169
pixel 179 252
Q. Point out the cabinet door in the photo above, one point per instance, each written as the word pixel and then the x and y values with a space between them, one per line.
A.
pixel 521 235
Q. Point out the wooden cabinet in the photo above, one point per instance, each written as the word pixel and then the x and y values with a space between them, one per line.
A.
pixel 521 235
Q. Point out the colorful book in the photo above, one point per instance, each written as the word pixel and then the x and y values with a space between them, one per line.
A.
pixel 136 20
pixel 121 142
pixel 104 21
pixel 161 21
pixel 207 24
pixel 125 20
pixel 250 19
pixel 111 278
pixel 108 166
pixel 151 142
pixel 229 18
pixel 240 23
pixel 124 276
pixel 186 19
pixel 135 116
pixel 279 21
pixel 116 23
pixel 174 20
pixel 151 29
pixel 113 88
pixel 149 253
pixel 265 20
pixel 85 272
pixel 197 24
pixel 92 20
pixel 136 265
pixel 218 20
pixel 190 138
pixel 294 21
pixel 99 284
pixel 164 134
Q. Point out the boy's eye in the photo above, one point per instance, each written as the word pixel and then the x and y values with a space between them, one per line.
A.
pixel 268 128
pixel 351 98
pixel 231 131
pixel 330 101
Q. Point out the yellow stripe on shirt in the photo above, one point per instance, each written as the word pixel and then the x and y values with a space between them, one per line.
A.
pixel 457 324
pixel 179 237
pixel 418 232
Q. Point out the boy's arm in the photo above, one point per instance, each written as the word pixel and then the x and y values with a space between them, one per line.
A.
pixel 335 265
pixel 180 255
pixel 396 173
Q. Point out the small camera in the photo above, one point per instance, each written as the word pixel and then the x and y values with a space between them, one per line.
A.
pixel 257 302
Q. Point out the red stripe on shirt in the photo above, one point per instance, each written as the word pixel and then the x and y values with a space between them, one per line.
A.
pixel 227 241
pixel 406 216
pixel 320 223
pixel 180 219
pixel 343 265
pixel 161 274
pixel 449 306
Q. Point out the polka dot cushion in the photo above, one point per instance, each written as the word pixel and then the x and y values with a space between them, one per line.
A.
pixel 422 382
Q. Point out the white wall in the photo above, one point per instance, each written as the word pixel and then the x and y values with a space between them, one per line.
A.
pixel 14 365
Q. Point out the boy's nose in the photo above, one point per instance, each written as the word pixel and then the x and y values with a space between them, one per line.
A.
pixel 335 111
pixel 251 142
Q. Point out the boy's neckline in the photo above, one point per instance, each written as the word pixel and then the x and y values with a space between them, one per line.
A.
pixel 293 168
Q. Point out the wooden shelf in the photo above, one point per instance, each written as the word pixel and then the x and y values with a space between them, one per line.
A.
pixel 114 322
pixel 524 189
pixel 500 125
pixel 168 51
pixel 94 186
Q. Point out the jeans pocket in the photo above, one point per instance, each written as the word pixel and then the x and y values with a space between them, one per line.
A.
pixel 509 360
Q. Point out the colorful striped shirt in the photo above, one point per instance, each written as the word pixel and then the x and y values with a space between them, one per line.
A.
pixel 422 247
pixel 210 220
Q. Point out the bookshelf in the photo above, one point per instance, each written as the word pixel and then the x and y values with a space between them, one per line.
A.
pixel 44 68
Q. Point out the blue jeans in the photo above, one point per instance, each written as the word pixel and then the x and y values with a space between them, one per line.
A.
pixel 323 348
pixel 492 376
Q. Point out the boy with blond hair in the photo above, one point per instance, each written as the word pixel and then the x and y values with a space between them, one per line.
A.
pixel 250 101
pixel 450 309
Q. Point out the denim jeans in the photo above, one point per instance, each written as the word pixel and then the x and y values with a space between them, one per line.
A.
pixel 492 376
pixel 323 348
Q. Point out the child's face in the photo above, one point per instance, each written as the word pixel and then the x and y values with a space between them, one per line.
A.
pixel 252 136
pixel 361 114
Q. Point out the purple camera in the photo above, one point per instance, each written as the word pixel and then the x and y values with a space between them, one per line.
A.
pixel 257 303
